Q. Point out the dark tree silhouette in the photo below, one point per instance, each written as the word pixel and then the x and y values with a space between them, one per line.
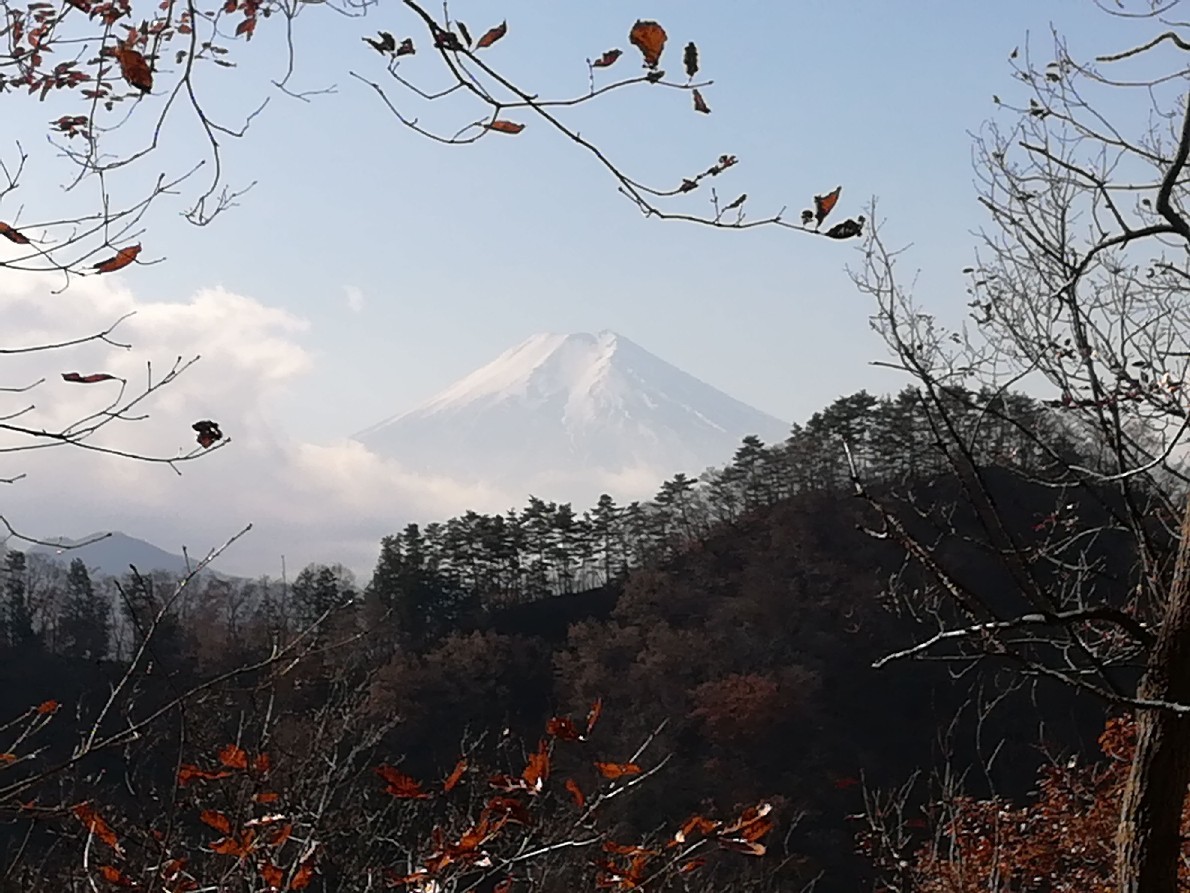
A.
pixel 85 625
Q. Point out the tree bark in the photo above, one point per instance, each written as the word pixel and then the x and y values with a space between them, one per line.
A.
pixel 1149 844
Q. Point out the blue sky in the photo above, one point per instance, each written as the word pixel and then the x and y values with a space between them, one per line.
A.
pixel 455 254
pixel 461 252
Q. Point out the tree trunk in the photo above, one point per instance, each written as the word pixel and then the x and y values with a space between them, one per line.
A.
pixel 1149 843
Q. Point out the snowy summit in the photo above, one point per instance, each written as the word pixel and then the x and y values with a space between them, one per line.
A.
pixel 569 416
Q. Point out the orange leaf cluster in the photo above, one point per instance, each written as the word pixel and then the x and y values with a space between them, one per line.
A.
pixel 1066 833
pixel 741 836
pixel 401 785
pixel 616 770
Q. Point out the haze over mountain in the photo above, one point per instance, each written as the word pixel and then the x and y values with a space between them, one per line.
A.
pixel 114 553
pixel 568 416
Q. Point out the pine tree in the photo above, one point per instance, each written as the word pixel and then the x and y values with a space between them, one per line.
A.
pixel 18 616
pixel 318 591
pixel 85 624
pixel 425 603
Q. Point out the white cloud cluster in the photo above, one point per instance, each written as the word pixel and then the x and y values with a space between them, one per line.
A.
pixel 323 502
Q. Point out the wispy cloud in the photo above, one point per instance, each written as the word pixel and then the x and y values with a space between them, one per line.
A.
pixel 355 298
pixel 309 502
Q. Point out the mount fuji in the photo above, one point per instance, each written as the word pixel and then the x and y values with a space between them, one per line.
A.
pixel 567 417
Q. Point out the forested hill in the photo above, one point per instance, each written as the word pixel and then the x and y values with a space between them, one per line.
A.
pixel 732 622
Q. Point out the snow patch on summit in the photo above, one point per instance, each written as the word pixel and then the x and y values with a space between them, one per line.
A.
pixel 594 410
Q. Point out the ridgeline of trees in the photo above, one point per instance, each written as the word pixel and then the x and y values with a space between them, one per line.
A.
pixel 441 575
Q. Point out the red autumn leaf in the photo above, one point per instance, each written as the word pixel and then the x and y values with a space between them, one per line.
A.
pixel 742 834
pixel 13 235
pixel 617 770
pixel 847 782
pixel 649 38
pixel 229 846
pixel 506 126
pixel 406 47
pixel 455 775
pixel 690 59
pixel 8 758
pixel 593 715
pixel 208 434
pixel 504 886
pixel 216 820
pixel 401 785
pixel 824 204
pixel 262 764
pixel 474 837
pixel 134 68
pixel 95 824
pixel 233 757
pixel 272 875
pixel 755 830
pixel 87 379
pixel 304 875
pixel 50 706
pixel 580 799
pixel 492 36
pixel 511 808
pixel 700 104
pixel 113 875
pixel 230 6
pixel 607 59
pixel 695 825
pixel 563 727
pixel 747 847
pixel 266 797
pixel 281 835
pixel 247 27
pixel 122 258
pixel 692 865
pixel 748 816
pixel 538 768
pixel 188 773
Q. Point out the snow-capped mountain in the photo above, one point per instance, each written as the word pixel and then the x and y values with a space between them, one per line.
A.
pixel 569 416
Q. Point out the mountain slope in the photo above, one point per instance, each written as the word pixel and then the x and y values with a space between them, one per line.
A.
pixel 570 413
pixel 113 554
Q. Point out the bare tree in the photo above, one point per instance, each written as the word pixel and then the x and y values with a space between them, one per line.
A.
pixel 1077 292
